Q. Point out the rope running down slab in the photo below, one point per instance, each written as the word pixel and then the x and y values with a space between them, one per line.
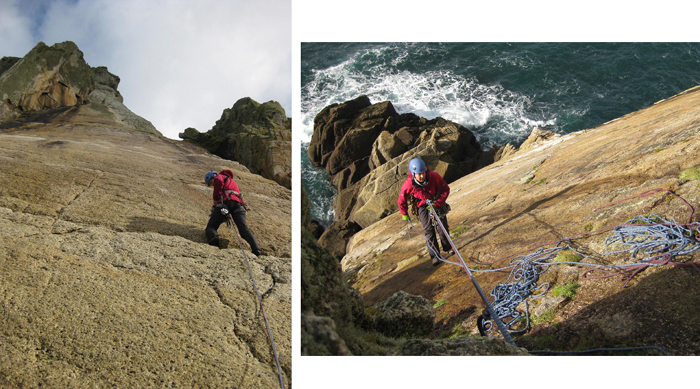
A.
pixel 230 223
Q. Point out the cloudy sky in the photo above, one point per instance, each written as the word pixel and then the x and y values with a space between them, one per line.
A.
pixel 181 62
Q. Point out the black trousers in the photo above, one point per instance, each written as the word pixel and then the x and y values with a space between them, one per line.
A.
pixel 238 213
pixel 424 216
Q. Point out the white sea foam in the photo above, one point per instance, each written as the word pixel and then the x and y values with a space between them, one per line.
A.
pixel 430 94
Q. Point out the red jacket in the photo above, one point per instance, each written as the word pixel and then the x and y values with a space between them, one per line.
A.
pixel 436 190
pixel 225 188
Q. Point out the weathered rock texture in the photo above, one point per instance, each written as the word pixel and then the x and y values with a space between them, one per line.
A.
pixel 106 276
pixel 551 189
pixel 404 314
pixel 257 135
pixel 57 76
pixel 366 148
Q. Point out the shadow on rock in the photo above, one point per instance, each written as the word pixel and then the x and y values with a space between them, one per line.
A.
pixel 164 227
pixel 660 311
pixel 412 280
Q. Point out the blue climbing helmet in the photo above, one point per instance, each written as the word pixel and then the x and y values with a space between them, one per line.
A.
pixel 208 177
pixel 416 165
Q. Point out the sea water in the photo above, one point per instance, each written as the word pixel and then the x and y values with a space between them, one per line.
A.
pixel 499 91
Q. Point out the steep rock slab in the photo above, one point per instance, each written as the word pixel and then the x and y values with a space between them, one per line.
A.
pixel 558 188
pixel 107 279
pixel 334 321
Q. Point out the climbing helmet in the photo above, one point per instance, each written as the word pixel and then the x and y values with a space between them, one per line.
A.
pixel 208 177
pixel 416 165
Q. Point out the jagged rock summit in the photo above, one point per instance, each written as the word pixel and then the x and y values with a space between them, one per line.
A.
pixel 106 276
pixel 257 135
pixel 56 80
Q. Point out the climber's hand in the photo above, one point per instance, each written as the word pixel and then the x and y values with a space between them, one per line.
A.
pixel 405 217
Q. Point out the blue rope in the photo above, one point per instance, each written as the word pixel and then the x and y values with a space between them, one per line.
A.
pixel 655 235
pixel 652 235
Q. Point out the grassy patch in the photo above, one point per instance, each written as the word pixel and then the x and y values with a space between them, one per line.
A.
pixel 690 174
pixel 542 181
pixel 439 304
pixel 459 330
pixel 659 149
pixel 588 227
pixel 568 290
pixel 546 317
pixel 567 256
pixel 457 231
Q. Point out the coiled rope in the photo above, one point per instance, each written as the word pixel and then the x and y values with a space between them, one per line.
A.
pixel 230 223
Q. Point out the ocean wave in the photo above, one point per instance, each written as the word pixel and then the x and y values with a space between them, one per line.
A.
pixel 502 113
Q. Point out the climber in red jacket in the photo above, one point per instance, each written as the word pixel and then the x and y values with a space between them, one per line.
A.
pixel 227 195
pixel 422 185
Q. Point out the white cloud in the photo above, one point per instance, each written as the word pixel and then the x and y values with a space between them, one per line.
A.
pixel 15 30
pixel 181 62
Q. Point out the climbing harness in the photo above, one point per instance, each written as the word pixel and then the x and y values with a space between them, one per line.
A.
pixel 657 239
pixel 230 223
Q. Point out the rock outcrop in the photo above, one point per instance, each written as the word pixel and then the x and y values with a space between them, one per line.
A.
pixel 57 79
pixel 404 315
pixel 106 276
pixel 577 186
pixel 258 136
pixel 47 77
pixel 365 148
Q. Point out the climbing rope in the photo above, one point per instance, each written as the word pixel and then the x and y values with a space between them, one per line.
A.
pixel 499 324
pixel 230 223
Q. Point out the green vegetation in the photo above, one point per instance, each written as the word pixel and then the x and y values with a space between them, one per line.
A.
pixel 457 231
pixel 459 330
pixel 659 149
pixel 690 174
pixel 567 256
pixel 568 290
pixel 439 304
pixel 546 317
pixel 542 181
pixel 588 227
pixel 362 342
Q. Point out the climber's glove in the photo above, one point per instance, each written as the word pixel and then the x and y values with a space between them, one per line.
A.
pixel 405 217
